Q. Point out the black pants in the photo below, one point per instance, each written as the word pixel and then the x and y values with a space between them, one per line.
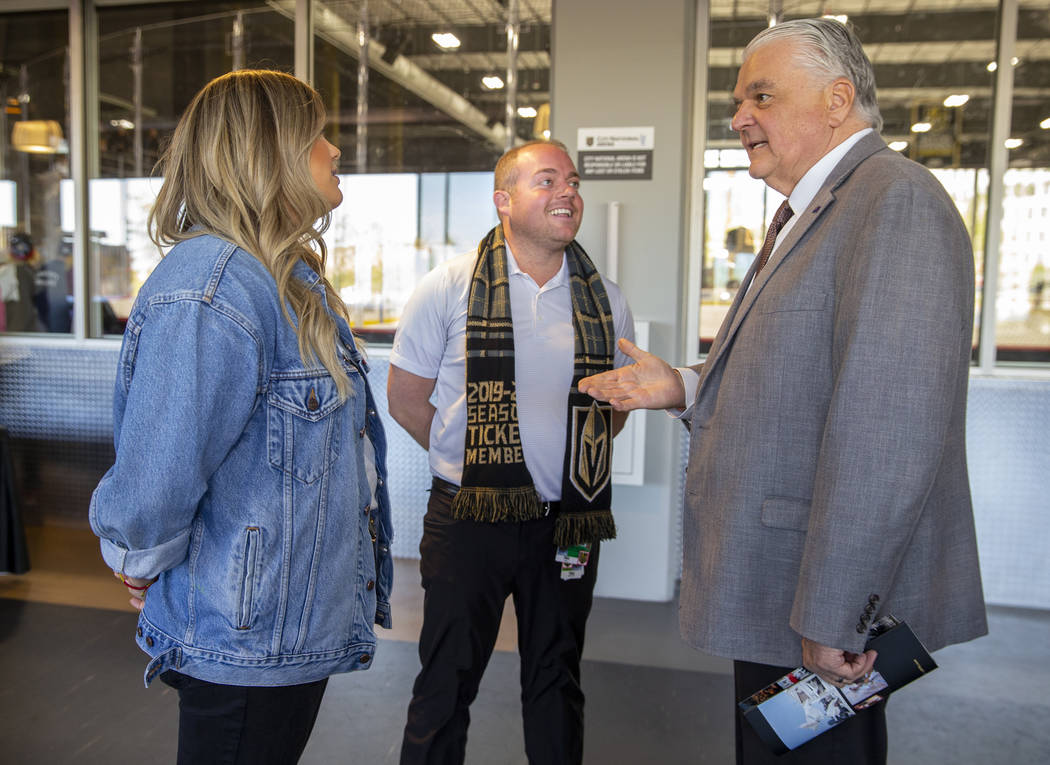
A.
pixel 468 570
pixel 861 740
pixel 243 725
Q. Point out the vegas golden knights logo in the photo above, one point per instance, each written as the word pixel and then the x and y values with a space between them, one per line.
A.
pixel 591 449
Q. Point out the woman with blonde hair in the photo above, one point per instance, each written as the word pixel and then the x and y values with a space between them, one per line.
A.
pixel 247 511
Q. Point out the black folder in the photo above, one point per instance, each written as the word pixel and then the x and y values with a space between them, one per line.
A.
pixel 800 706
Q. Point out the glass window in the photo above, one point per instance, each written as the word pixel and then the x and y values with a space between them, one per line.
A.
pixel 1022 307
pixel 36 256
pixel 152 60
pixel 418 145
pixel 737 212
pixel 935 95
pixel 420 127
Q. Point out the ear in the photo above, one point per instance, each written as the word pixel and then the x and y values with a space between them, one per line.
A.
pixel 840 97
pixel 501 199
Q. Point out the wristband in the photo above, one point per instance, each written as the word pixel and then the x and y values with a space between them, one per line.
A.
pixel 130 586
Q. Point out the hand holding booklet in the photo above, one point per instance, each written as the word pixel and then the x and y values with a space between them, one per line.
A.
pixel 801 705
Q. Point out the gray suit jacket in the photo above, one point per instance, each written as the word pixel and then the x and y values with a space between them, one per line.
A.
pixel 827 480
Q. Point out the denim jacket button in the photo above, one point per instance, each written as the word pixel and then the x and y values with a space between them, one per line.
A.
pixel 361 433
pixel 149 641
pixel 365 659
pixel 371 585
pixel 138 631
pixel 312 403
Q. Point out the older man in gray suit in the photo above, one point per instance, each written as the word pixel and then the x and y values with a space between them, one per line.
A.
pixel 827 481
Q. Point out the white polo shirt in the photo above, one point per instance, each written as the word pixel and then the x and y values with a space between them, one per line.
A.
pixel 431 342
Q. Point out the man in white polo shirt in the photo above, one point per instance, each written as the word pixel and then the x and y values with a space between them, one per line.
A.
pixel 483 375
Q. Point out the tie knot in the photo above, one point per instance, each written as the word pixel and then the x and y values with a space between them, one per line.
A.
pixel 782 216
pixel 783 213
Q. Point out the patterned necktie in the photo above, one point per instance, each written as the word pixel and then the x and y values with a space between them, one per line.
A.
pixel 783 215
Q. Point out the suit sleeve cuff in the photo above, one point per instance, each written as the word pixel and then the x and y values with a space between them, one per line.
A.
pixel 690 381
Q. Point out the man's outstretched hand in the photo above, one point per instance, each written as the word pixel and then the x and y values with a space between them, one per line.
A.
pixel 650 383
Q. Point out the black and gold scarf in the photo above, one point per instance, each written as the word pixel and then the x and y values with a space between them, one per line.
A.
pixel 496 484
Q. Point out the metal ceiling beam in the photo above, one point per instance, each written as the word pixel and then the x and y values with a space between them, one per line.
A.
pixel 337 32
pixel 915 27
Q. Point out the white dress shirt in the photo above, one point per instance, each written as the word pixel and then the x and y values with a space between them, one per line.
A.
pixel 803 193
pixel 431 342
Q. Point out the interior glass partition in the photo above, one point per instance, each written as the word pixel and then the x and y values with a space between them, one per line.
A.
pixel 935 93
pixel 1023 300
pixel 152 60
pixel 36 255
pixel 420 125
pixel 418 97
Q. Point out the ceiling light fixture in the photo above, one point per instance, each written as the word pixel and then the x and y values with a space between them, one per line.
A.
pixel 38 137
pixel 899 145
pixel 527 111
pixel 445 40
pixel 956 99
pixel 921 127
pixel 1013 143
pixel 1045 124
pixel 992 65
pixel 841 18
pixel 492 82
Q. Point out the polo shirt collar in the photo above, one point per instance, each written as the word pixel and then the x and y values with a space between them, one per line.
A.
pixel 560 279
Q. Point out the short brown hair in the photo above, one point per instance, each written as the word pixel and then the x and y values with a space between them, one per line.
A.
pixel 506 174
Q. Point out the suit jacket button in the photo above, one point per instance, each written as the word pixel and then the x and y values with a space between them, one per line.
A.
pixel 873 598
pixel 869 609
pixel 860 628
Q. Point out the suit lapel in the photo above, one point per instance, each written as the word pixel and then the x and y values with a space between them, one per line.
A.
pixel 824 198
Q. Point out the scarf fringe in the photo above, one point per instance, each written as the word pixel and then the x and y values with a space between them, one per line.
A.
pixel 582 527
pixel 491 504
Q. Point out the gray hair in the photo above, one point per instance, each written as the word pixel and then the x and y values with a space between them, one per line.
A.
pixel 828 49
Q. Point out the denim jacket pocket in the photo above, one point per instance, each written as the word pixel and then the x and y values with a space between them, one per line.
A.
pixel 302 437
pixel 247 576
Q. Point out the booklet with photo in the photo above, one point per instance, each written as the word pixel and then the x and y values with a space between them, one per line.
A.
pixel 801 706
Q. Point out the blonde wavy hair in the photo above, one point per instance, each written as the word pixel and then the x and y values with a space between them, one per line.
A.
pixel 238 167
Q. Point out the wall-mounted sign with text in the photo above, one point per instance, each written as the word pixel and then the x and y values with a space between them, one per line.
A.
pixel 615 154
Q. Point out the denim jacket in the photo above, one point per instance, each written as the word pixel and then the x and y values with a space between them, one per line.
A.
pixel 240 481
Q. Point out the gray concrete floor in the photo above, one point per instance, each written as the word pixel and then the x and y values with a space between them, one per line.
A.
pixel 72 686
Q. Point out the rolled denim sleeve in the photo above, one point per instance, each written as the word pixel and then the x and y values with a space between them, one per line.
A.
pixel 188 379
